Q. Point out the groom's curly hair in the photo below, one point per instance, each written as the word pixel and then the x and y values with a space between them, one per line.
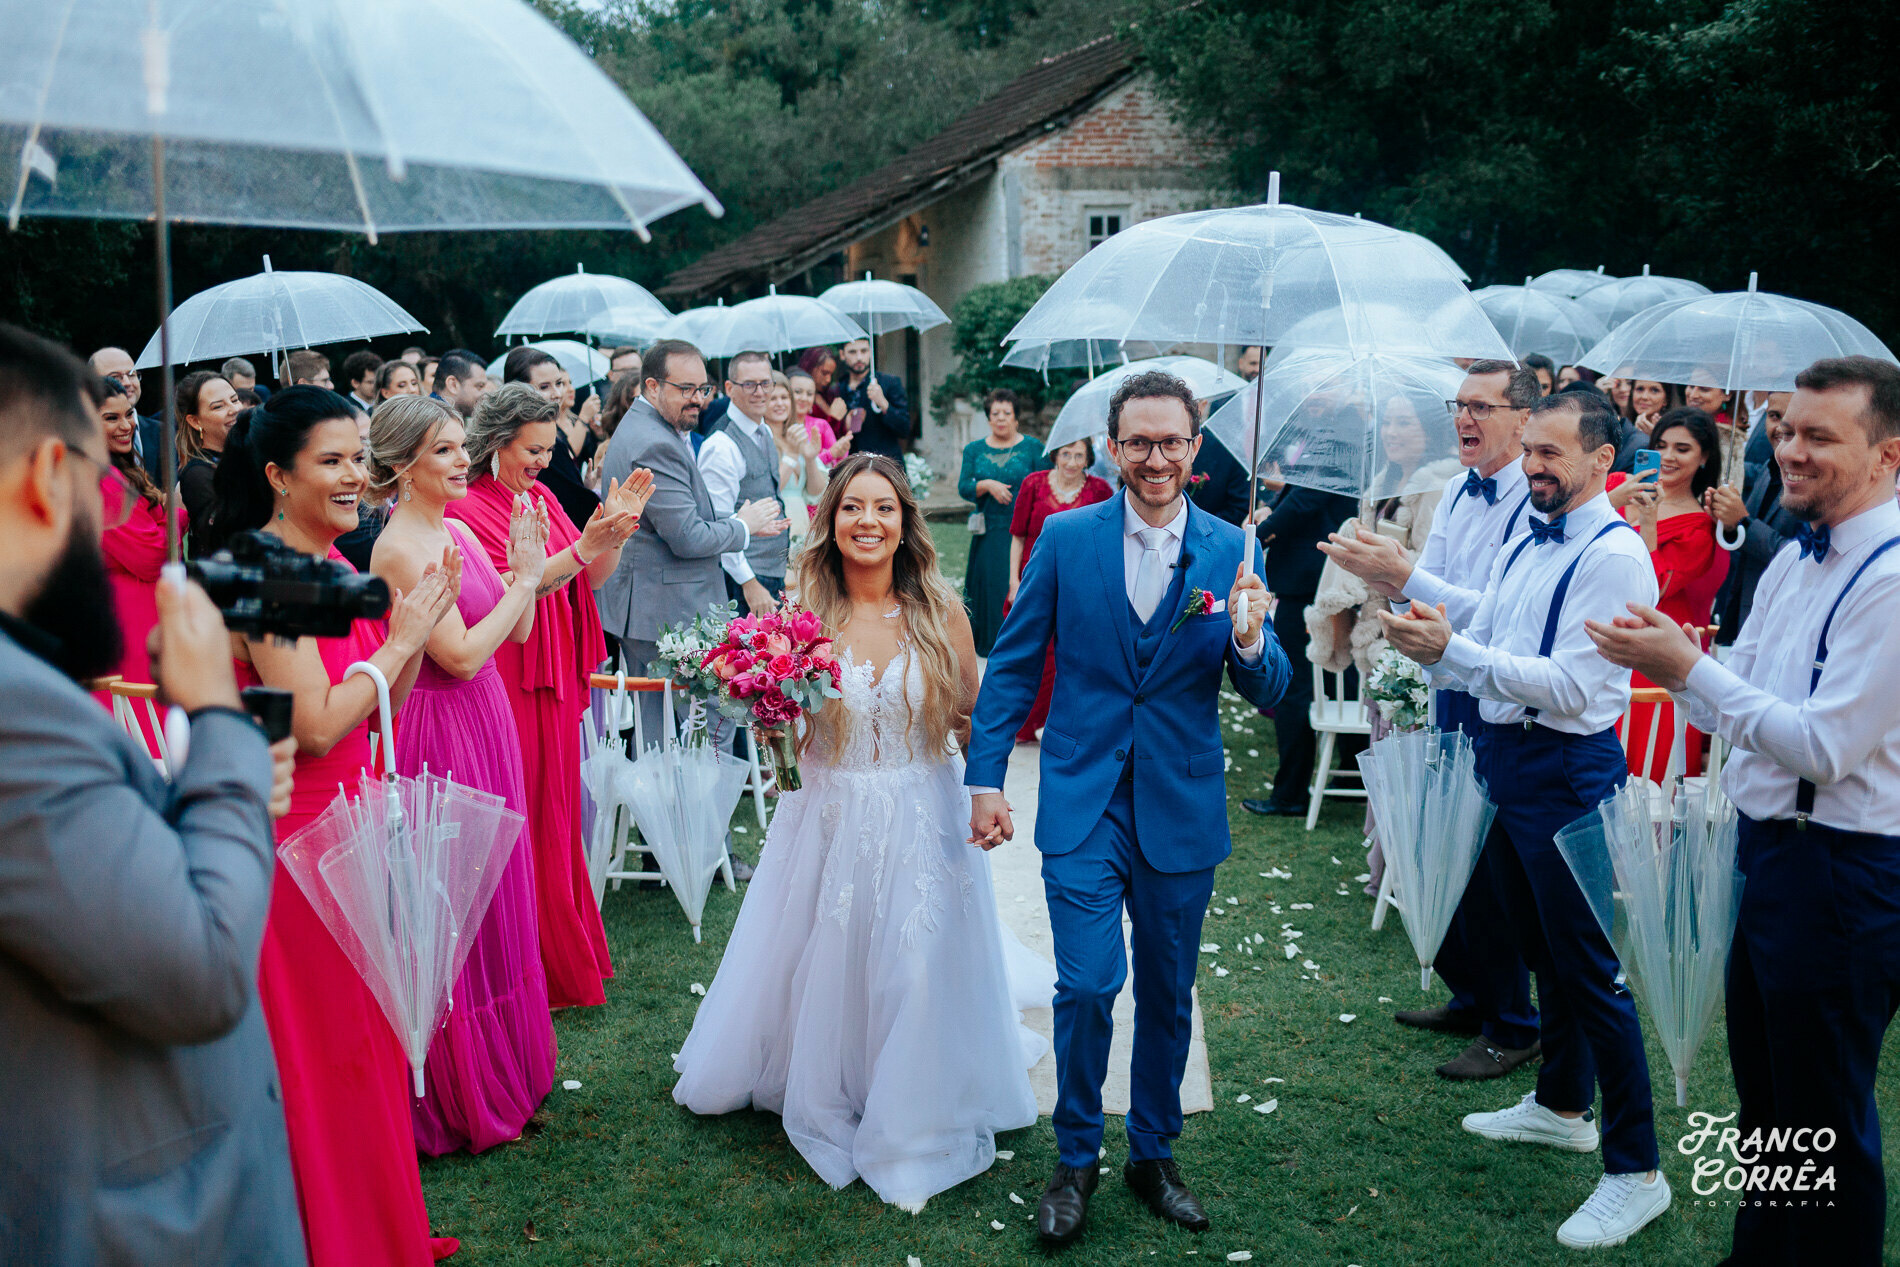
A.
pixel 1152 384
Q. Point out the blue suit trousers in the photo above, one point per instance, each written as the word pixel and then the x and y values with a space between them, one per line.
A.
pixel 1087 890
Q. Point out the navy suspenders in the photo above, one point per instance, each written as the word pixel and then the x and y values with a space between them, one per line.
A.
pixel 1511 523
pixel 1549 639
pixel 1803 789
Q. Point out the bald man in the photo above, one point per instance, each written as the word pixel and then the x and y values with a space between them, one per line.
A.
pixel 116 363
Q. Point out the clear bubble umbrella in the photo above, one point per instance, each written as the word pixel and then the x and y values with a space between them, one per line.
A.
pixel 319 115
pixel 567 304
pixel 273 312
pixel 691 324
pixel 1570 282
pixel 582 363
pixel 1433 815
pixel 624 323
pixel 1532 320
pixel 1043 355
pixel 1356 425
pixel 770 323
pixel 1662 881
pixel 1618 301
pixel 883 306
pixel 1742 340
pixel 1085 414
pixel 1384 327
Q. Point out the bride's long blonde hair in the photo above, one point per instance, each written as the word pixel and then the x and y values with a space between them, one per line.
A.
pixel 923 596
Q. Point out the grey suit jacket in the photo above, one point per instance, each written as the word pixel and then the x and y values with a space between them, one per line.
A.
pixel 140 1116
pixel 669 570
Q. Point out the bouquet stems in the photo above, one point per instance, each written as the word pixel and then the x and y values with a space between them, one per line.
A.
pixel 784 749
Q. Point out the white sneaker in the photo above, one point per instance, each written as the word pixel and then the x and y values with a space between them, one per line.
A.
pixel 1616 1211
pixel 1528 1122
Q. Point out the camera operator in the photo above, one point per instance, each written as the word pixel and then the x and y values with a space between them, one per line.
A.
pixel 141 1101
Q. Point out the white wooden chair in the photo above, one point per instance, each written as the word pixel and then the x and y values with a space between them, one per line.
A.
pixel 128 700
pixel 1334 713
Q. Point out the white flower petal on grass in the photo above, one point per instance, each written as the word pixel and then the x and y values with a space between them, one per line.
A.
pixel 997 1224
pixel 1337 862
pixel 1364 877
pixel 1240 1256
pixel 1004 1154
pixel 740 828
pixel 570 1085
pixel 1253 752
pixel 1258 940
pixel 911 1260
pixel 1290 934
pixel 1014 1199
pixel 1233 901
pixel 1347 1018
pixel 1242 1098
pixel 1383 999
pixel 1291 950
pixel 1309 965
pixel 1220 972
pixel 697 988
pixel 1301 906
pixel 1266 1107
pixel 1210 948
pixel 1248 949
pixel 1216 910
pixel 1273 1080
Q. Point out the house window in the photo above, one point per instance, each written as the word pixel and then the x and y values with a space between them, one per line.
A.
pixel 1103 223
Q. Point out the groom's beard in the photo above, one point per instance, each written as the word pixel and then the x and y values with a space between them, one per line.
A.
pixel 1156 495
pixel 76 607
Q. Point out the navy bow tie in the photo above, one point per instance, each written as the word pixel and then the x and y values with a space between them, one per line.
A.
pixel 1553 530
pixel 1487 488
pixel 1814 541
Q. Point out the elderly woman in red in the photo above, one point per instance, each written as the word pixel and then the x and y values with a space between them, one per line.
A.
pixel 510 442
pixel 1690 567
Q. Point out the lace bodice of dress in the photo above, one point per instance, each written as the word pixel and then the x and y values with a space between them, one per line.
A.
pixel 878 712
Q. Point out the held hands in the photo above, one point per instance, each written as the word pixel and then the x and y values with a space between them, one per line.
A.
pixel 1420 634
pixel 527 541
pixel 1724 503
pixel 763 519
pixel 1377 560
pixel 283 768
pixel 1247 583
pixel 190 650
pixel 413 616
pixel 990 824
pixel 1650 643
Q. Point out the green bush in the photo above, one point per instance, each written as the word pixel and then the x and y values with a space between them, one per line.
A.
pixel 979 322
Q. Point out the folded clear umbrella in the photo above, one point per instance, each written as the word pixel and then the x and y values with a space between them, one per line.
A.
pixel 1532 320
pixel 1570 282
pixel 402 875
pixel 1330 420
pixel 582 363
pixel 568 304
pixel 1433 815
pixel 1663 884
pixel 682 796
pixel 273 312
pixel 1085 414
pixel 770 323
pixel 1623 298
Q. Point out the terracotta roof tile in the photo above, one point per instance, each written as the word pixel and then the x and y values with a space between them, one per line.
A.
pixel 1024 108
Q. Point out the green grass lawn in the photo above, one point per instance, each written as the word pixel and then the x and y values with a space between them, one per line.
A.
pixel 1362 1162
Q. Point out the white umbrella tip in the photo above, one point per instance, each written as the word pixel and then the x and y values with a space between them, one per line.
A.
pixel 1273 189
pixel 1753 279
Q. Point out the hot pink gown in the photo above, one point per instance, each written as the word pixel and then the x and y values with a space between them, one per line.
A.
pixel 546 681
pixel 492 1062
pixel 346 1082
pixel 134 552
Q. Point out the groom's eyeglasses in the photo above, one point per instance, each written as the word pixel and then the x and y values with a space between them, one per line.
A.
pixel 1174 448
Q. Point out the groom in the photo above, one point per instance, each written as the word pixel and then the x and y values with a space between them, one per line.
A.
pixel 1133 796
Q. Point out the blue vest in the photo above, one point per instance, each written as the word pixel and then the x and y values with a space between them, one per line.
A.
pixel 1148 637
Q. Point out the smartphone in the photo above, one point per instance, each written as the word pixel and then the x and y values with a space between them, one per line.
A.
pixel 1648 465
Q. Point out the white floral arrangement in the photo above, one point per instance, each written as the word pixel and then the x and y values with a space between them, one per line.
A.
pixel 917 471
pixel 683 648
pixel 1399 691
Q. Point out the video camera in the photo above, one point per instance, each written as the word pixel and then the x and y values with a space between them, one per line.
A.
pixel 265 588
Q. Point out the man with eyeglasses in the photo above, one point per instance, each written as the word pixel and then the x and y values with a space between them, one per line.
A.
pixel 670 569
pixel 116 364
pixel 739 461
pixel 1480 512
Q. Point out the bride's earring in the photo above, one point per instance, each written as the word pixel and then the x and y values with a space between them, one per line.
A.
pixel 494 464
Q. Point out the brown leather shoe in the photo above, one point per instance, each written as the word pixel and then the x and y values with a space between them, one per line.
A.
pixel 1064 1207
pixel 1160 1186
pixel 1483 1059
pixel 1441 1020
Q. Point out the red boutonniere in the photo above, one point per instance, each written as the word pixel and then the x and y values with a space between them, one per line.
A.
pixel 1195 481
pixel 1200 602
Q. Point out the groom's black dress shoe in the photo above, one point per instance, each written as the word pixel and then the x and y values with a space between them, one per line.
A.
pixel 1159 1184
pixel 1065 1203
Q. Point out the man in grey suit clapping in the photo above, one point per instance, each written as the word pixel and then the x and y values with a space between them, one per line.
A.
pixel 669 570
pixel 143 1118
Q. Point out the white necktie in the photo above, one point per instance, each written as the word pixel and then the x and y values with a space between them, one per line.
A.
pixel 1151 577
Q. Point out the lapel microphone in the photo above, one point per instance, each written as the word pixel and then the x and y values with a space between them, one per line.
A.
pixel 1185 561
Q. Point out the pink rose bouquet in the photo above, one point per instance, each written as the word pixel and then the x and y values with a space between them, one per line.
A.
pixel 771 670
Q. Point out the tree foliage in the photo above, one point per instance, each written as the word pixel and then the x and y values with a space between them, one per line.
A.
pixel 978 323
pixel 1704 139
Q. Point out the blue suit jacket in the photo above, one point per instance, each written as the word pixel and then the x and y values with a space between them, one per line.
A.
pixel 1073 591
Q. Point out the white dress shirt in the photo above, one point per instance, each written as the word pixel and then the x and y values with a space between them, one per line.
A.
pixel 1845 738
pixel 1574 689
pixel 1466 537
pixel 722 466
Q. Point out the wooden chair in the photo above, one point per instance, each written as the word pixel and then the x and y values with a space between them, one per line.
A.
pixel 1332 715
pixel 127 699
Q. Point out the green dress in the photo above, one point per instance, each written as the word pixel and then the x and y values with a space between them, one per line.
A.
pixel 986 583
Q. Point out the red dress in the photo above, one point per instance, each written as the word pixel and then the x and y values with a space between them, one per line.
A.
pixel 134 552
pixel 1690 568
pixel 1035 502
pixel 546 681
pixel 346 1081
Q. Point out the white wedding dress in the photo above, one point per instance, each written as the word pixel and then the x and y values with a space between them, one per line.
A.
pixel 866 995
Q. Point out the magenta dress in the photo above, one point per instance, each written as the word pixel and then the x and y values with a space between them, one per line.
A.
pixel 493 1060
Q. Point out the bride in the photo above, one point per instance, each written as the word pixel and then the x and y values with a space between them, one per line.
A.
pixel 865 995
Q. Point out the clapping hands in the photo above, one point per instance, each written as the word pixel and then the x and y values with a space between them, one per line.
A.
pixel 413 616
pixel 527 540
pixel 617 517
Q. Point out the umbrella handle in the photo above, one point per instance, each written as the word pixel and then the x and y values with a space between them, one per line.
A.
pixel 375 675
pixel 1721 537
